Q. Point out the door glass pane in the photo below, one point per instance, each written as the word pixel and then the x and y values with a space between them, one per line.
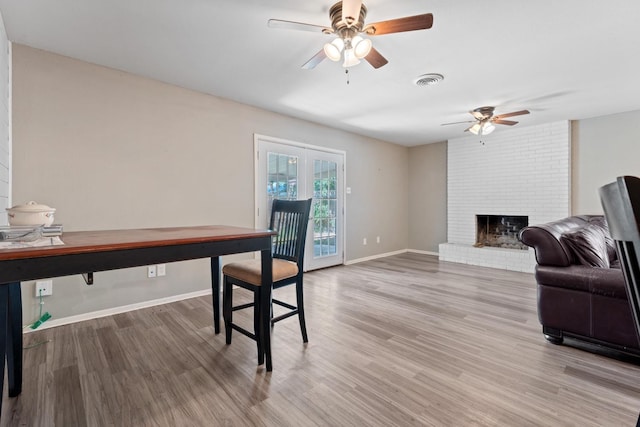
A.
pixel 282 178
pixel 325 175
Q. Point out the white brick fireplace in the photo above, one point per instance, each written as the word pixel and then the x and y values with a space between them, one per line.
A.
pixel 520 171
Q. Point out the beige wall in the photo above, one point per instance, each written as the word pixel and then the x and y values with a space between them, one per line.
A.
pixel 603 148
pixel 111 150
pixel 427 196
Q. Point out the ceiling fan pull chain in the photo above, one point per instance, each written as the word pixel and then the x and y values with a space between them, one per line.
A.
pixel 347 73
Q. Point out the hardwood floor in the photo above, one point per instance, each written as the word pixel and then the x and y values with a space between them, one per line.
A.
pixel 399 341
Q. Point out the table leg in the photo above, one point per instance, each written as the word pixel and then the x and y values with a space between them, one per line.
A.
pixel 14 340
pixel 215 292
pixel 265 299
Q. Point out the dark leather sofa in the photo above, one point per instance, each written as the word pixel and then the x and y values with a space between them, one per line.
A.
pixel 581 289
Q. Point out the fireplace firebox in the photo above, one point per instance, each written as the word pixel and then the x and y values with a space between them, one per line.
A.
pixel 500 231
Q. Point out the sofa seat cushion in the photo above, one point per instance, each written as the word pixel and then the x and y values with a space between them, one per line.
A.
pixel 598 281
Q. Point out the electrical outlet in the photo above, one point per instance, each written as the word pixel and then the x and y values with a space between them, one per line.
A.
pixel 161 269
pixel 364 241
pixel 378 239
pixel 151 271
pixel 44 288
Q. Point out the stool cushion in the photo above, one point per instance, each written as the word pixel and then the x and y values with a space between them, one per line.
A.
pixel 250 271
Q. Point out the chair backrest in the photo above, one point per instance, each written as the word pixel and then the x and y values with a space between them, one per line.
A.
pixel 290 219
pixel 621 204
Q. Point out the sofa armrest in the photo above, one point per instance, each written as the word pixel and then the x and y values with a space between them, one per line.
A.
pixel 545 239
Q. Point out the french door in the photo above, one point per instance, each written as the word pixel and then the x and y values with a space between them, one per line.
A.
pixel 287 170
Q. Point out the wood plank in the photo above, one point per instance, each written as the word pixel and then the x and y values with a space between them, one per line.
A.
pixel 69 403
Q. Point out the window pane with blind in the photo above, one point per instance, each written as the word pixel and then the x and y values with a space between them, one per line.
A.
pixel 325 175
pixel 282 178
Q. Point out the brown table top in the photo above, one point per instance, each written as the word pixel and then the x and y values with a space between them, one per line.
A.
pixel 76 242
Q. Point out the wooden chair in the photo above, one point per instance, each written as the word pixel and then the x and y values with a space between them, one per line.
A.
pixel 290 220
pixel 621 204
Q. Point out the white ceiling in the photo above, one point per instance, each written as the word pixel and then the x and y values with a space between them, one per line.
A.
pixel 568 59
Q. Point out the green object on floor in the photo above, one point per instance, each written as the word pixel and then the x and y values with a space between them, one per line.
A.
pixel 46 316
pixel 43 317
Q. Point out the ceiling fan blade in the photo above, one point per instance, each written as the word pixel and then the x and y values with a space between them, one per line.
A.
pixel 351 11
pixel 300 26
pixel 409 23
pixel 504 122
pixel 317 58
pixel 457 123
pixel 515 113
pixel 376 59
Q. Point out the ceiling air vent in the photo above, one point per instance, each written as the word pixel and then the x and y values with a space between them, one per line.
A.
pixel 429 79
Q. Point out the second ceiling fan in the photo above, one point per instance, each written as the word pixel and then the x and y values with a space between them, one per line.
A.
pixel 347 23
pixel 485 121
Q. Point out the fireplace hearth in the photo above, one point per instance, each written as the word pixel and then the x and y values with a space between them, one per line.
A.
pixel 500 231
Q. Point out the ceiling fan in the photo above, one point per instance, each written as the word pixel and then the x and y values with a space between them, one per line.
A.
pixel 347 23
pixel 485 120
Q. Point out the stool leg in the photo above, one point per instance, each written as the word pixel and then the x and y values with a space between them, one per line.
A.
pixel 265 329
pixel 257 326
pixel 265 304
pixel 227 311
pixel 300 303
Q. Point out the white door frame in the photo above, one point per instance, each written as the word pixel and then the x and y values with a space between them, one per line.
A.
pixel 342 153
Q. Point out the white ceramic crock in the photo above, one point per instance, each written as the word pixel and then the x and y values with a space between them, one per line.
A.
pixel 31 213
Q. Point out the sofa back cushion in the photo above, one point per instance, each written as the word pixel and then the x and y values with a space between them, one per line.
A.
pixel 582 239
pixel 588 244
pixel 611 244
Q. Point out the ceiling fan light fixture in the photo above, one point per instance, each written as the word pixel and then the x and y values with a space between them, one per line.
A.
pixel 334 49
pixel 361 46
pixel 350 58
pixel 475 129
pixel 487 128
pixel 484 127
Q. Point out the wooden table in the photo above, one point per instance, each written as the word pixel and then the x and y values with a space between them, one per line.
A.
pixel 90 251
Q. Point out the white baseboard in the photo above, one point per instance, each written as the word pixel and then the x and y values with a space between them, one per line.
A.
pixel 416 251
pixel 52 323
pixel 372 257
pixel 402 251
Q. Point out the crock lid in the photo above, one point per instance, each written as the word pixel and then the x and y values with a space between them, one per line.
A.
pixel 32 207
